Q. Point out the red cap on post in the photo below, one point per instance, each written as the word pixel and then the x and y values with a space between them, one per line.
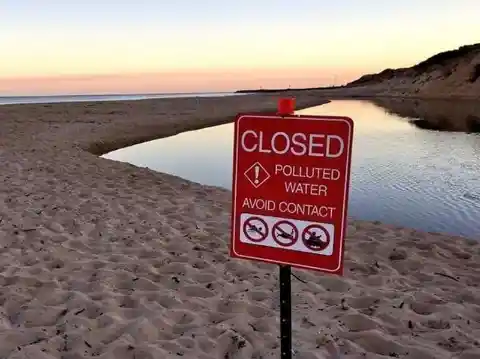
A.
pixel 286 106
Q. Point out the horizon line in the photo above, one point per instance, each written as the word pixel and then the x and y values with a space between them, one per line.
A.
pixel 121 94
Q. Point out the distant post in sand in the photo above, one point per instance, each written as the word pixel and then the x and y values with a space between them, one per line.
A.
pixel 291 177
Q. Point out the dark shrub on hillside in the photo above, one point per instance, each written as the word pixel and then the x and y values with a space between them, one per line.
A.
pixel 475 73
pixel 473 124
pixel 444 61
pixel 444 57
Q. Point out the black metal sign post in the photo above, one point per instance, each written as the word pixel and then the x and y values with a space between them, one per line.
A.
pixel 285 312
pixel 286 107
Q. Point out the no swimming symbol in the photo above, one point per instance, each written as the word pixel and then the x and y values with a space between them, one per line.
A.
pixel 255 229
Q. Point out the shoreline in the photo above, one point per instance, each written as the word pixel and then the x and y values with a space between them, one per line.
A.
pixel 103 258
pixel 366 92
pixel 83 98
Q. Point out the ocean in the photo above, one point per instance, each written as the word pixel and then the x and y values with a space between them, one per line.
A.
pixel 10 100
pixel 402 174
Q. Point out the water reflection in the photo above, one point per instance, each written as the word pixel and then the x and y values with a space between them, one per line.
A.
pixel 400 174
pixel 439 115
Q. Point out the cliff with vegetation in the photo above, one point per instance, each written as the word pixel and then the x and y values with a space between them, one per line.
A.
pixel 449 74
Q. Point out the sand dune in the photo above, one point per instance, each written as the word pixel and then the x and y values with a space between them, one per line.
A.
pixel 453 74
pixel 102 259
pixel 449 74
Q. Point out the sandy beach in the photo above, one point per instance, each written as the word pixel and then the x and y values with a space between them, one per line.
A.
pixel 102 259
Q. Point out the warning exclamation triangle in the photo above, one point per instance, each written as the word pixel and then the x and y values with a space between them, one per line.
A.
pixel 257 174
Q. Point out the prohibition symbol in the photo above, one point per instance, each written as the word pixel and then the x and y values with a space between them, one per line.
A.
pixel 315 237
pixel 255 229
pixel 285 233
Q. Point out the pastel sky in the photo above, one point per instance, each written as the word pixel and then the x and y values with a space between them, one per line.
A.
pixel 53 47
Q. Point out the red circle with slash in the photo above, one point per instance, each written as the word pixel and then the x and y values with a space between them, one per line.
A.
pixel 314 241
pixel 250 227
pixel 281 235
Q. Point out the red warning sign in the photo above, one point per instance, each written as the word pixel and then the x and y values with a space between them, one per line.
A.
pixel 297 169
